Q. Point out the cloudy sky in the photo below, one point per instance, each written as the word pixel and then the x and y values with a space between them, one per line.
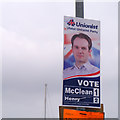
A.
pixel 32 55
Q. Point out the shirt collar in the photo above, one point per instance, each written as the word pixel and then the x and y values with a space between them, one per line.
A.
pixel 86 66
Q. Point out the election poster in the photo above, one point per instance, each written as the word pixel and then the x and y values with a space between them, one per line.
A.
pixel 81 70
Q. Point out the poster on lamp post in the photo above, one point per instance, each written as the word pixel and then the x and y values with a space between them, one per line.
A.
pixel 81 70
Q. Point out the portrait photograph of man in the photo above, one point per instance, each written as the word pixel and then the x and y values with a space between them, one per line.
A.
pixel 81 50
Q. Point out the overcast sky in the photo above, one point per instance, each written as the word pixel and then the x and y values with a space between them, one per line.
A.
pixel 32 55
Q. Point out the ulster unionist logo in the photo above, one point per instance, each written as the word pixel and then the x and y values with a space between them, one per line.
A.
pixel 71 22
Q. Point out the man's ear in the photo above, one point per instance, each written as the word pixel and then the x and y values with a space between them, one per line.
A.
pixel 90 51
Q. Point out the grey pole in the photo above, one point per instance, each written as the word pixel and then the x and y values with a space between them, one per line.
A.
pixel 119 58
pixel 45 101
pixel 79 8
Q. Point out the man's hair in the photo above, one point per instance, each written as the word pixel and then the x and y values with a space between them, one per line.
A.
pixel 84 36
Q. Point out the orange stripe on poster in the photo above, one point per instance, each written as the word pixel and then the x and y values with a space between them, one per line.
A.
pixel 68 113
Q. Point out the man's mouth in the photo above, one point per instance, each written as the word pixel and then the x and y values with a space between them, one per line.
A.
pixel 80 56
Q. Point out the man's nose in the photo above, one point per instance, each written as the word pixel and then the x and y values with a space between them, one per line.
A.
pixel 80 50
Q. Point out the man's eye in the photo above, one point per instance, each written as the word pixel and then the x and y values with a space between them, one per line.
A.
pixel 76 47
pixel 83 48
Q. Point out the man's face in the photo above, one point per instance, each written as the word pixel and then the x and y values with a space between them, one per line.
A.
pixel 80 50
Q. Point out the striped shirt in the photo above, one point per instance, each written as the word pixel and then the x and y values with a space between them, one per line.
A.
pixel 85 69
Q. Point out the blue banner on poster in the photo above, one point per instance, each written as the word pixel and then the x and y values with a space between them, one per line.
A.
pixel 82 91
